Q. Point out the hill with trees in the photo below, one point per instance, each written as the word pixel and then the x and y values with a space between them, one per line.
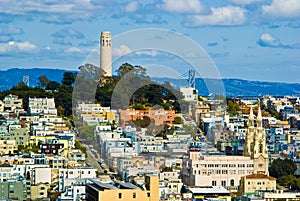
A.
pixel 88 79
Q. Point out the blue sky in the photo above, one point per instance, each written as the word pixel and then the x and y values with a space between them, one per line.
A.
pixel 247 39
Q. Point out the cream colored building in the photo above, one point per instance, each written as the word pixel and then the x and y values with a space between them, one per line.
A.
pixel 39 191
pixel 216 170
pixel 121 191
pixel 8 147
pixel 254 182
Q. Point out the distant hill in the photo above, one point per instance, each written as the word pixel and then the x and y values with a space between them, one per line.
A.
pixel 233 87
pixel 12 77
pixel 238 87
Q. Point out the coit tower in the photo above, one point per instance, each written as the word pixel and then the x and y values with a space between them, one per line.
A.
pixel 106 53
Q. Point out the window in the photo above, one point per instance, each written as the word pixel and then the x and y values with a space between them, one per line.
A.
pixel 260 148
pixel 223 183
pixel 214 183
pixel 134 195
pixel 120 195
pixel 231 182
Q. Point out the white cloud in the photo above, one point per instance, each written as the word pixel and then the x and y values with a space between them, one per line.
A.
pixel 131 7
pixel 245 2
pixel 269 40
pixel 53 11
pixel 68 32
pixel 121 51
pixel 72 50
pixel 224 16
pixel 8 29
pixel 181 6
pixel 152 53
pixel 12 46
pixel 287 9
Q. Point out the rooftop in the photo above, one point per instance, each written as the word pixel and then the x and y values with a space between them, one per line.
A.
pixel 259 176
pixel 208 190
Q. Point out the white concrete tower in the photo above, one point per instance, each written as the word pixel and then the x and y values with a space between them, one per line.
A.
pixel 106 53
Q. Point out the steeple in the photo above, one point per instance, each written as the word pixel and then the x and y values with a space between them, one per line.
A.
pixel 259 116
pixel 260 152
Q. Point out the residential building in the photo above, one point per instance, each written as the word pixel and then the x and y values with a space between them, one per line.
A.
pixel 39 191
pixel 189 93
pixel 253 182
pixel 209 193
pixel 122 191
pixel 8 147
pixel 41 106
pixel 13 190
pixel 159 116
pixel 12 102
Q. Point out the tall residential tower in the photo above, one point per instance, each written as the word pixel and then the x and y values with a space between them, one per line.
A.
pixel 106 54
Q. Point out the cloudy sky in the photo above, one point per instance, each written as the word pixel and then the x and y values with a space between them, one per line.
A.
pixel 247 39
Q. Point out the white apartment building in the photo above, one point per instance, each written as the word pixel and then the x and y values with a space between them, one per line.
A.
pixel 12 102
pixel 189 93
pixel 38 106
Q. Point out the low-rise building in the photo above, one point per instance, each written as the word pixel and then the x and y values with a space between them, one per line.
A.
pixel 121 191
pixel 209 193
pixel 251 183
pixel 39 191
pixel 159 116
pixel 8 147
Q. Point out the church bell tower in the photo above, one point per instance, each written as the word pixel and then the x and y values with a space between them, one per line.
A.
pixel 255 144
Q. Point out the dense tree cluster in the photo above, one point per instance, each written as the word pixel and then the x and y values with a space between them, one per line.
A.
pixel 284 171
pixel 88 85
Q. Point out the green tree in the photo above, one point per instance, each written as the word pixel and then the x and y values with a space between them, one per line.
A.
pixel 68 78
pixel 177 120
pixel 289 181
pixel 52 85
pixel 138 106
pixel 123 69
pixel 43 81
pixel 274 113
pixel 232 107
pixel 143 122
pixel 281 168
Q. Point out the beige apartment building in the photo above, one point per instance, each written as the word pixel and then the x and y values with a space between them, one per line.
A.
pixel 122 191
pixel 254 182
pixel 8 147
